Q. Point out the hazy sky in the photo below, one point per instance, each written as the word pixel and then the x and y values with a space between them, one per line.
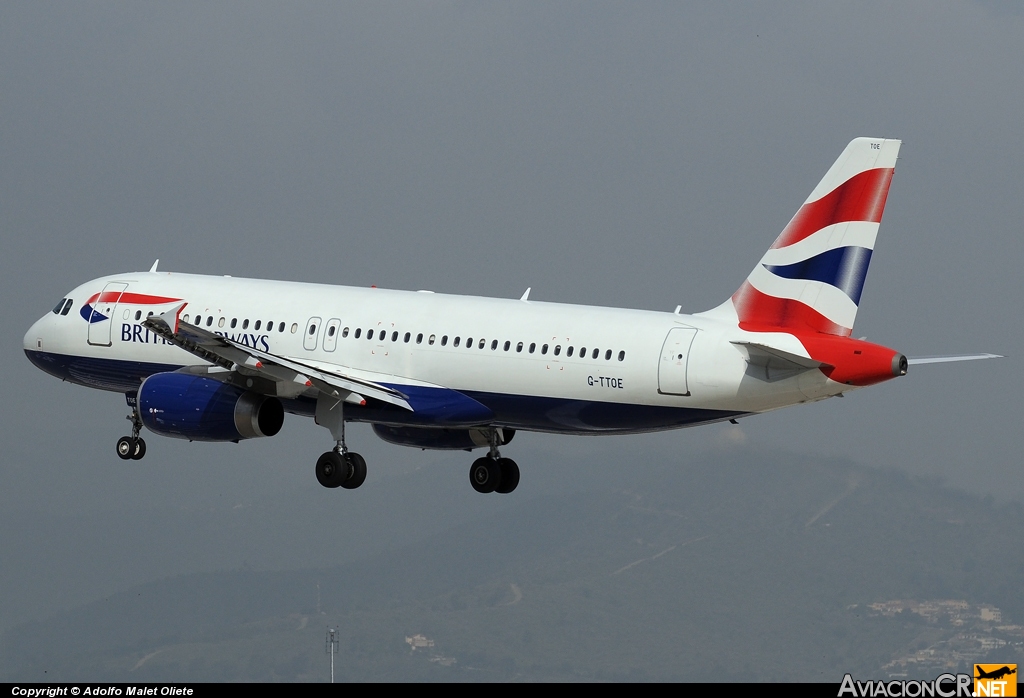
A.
pixel 630 154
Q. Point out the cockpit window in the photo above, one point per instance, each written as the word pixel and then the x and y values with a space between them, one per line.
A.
pixel 67 306
pixel 60 306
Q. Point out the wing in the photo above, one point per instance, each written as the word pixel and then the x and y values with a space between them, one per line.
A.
pixel 954 357
pixel 291 377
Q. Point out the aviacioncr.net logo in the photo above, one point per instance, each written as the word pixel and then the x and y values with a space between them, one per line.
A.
pixel 945 686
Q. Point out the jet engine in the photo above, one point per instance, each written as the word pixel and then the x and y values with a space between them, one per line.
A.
pixel 202 409
pixel 440 439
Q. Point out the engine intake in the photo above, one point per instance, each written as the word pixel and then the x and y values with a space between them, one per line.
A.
pixel 202 409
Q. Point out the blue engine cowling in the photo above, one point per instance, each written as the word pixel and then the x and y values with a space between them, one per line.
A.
pixel 202 409
pixel 440 439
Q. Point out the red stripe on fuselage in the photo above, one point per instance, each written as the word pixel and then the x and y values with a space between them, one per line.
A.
pixel 860 198
pixel 129 298
pixel 759 312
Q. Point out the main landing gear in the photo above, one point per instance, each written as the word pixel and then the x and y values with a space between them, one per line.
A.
pixel 340 467
pixel 132 447
pixel 492 473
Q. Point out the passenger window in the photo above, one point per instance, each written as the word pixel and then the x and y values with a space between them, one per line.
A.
pixel 597 352
pixel 622 355
pixel 507 344
pixel 608 355
pixel 270 326
pixel 519 348
pixel 358 332
pixel 245 324
pixel 234 321
pixel 369 334
pixel 394 336
pixel 407 336
pixel 419 338
pixel 344 332
pixel 568 352
pixel 444 340
pixel 494 344
pixel 469 342
pixel 544 349
pixel 533 346
pixel 257 325
pixel 184 317
pixel 558 349
pixel 312 329
pixel 430 340
pixel 220 323
pixel 583 352
pixel 138 315
pixel 456 342
pixel 482 343
pixel 330 330
pixel 295 327
pixel 209 321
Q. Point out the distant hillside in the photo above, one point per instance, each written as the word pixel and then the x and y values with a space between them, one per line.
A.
pixel 730 568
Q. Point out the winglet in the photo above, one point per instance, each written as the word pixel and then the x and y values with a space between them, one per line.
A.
pixel 153 268
pixel 171 317
pixel 526 296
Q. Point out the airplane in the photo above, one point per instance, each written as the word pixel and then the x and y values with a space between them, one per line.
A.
pixel 216 358
pixel 995 674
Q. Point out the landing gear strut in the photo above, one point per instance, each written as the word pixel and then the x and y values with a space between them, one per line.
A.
pixel 339 467
pixel 132 447
pixel 492 473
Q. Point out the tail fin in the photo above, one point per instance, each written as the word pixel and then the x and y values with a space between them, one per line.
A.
pixel 812 276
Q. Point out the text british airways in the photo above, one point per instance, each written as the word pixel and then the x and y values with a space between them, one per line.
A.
pixel 140 335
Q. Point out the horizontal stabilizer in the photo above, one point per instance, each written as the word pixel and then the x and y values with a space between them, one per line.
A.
pixel 953 357
pixel 765 352
pixel 772 364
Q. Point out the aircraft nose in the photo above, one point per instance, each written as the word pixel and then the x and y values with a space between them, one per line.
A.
pixel 35 338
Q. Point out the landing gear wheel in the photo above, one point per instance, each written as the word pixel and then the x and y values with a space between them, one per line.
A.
pixel 485 475
pixel 125 448
pixel 357 471
pixel 509 476
pixel 331 469
pixel 140 449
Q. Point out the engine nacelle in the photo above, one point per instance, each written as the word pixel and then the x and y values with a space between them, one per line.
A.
pixel 202 409
pixel 440 439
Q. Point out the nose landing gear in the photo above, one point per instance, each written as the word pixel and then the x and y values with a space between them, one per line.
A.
pixel 132 447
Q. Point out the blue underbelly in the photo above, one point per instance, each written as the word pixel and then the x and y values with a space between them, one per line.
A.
pixel 434 407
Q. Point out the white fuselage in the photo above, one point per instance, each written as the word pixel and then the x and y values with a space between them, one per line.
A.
pixel 540 366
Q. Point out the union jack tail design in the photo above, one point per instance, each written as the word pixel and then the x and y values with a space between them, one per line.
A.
pixel 812 276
